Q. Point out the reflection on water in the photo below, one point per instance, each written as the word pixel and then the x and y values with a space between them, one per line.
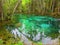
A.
pixel 26 41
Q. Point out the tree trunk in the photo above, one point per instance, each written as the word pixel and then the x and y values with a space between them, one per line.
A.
pixel 1 13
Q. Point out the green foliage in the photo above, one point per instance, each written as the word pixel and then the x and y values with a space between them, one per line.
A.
pixel 1 41
pixel 24 4
pixel 17 17
pixel 39 43
pixel 8 6
pixel 25 1
pixel 19 43
pixel 10 43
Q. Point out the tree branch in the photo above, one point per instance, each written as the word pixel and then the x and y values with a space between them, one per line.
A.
pixel 15 7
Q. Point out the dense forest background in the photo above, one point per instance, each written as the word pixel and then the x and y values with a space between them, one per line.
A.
pixel 8 9
pixel 39 7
